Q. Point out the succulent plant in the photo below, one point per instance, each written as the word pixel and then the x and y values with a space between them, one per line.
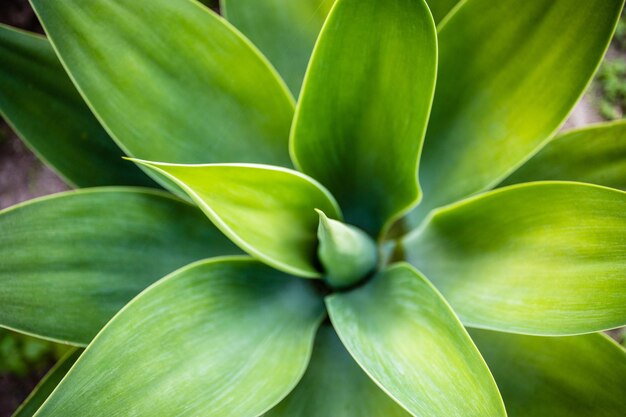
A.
pixel 377 247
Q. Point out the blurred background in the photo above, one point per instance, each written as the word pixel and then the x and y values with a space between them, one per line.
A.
pixel 24 360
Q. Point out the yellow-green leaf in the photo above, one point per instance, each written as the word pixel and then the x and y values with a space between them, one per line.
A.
pixel 70 261
pixel 406 337
pixel 335 386
pixel 539 258
pixel 39 101
pixel 268 211
pixel 171 80
pixel 441 8
pixel 364 107
pixel 227 336
pixel 576 376
pixel 509 74
pixel 594 154
pixel 285 30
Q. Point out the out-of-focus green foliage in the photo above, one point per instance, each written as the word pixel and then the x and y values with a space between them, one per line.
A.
pixel 20 354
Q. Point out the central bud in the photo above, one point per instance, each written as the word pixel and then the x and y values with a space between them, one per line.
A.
pixel 347 253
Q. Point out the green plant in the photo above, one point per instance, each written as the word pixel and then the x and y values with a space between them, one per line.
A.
pixel 21 354
pixel 520 231
pixel 611 80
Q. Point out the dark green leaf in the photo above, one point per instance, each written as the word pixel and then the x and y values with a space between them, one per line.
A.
pixel 45 387
pixel 285 30
pixel 364 107
pixel 224 337
pixel 335 386
pixel 69 262
pixel 39 101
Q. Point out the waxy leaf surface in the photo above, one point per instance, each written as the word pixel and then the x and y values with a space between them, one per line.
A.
pixel 364 107
pixel 284 30
pixel 40 102
pixel 594 154
pixel 335 386
pixel 406 337
pixel 49 382
pixel 576 376
pixel 441 8
pixel 69 262
pixel 508 77
pixel 171 80
pixel 540 258
pixel 224 337
pixel 268 211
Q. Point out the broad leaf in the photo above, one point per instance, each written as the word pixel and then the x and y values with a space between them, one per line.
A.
pixel 594 154
pixel 540 258
pixel 577 376
pixel 45 387
pixel 269 212
pixel 69 262
pixel 441 8
pixel 285 30
pixel 335 386
pixel 39 101
pixel 171 80
pixel 364 107
pixel 406 337
pixel 228 336
pixel 508 77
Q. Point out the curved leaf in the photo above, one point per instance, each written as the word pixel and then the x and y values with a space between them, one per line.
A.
pixel 69 262
pixel 406 337
pixel 540 258
pixel 228 336
pixel 578 376
pixel 335 386
pixel 508 77
pixel 41 392
pixel 269 212
pixel 441 8
pixel 171 80
pixel 285 30
pixel 39 101
pixel 594 154
pixel 364 107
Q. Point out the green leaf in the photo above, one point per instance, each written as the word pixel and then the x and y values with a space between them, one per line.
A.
pixel 508 77
pixel 364 107
pixel 285 30
pixel 171 80
pixel 39 101
pixel 406 337
pixel 441 8
pixel 540 258
pixel 594 154
pixel 268 211
pixel 228 336
pixel 45 387
pixel 69 262
pixel 578 376
pixel 334 386
pixel 347 254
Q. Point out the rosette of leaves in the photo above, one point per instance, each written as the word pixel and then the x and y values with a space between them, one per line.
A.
pixel 488 294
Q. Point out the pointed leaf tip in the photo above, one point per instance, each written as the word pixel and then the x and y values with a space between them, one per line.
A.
pixel 347 253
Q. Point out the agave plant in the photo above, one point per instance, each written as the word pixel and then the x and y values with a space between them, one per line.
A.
pixel 318 286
